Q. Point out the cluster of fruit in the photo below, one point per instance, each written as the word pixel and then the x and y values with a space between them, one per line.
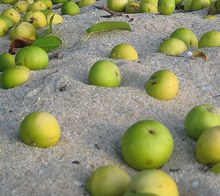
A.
pixel 183 39
pixel 165 7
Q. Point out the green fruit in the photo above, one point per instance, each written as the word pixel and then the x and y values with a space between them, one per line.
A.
pixel 57 18
pixel 6 61
pixel 37 18
pixel 7 20
pixel 83 3
pixel 14 76
pixel 104 73
pixel 166 7
pixel 178 2
pixel 70 8
pixel 199 4
pixel 200 118
pixel 213 8
pixel 8 1
pixel 23 30
pixel 124 51
pixel 147 144
pixel 132 7
pixel 37 6
pixel 58 1
pixel 32 57
pixel 12 14
pixel 117 5
pixel 163 85
pixel 210 39
pixel 40 129
pixel 21 6
pixel 148 8
pixel 187 36
pixel 108 181
pixel 153 181
pixel 216 168
pixel 173 46
pixel 48 3
pixel 187 5
pixel 3 28
pixel 208 146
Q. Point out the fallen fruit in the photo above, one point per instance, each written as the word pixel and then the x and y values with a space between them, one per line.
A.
pixel 6 61
pixel 70 8
pixel 117 5
pixel 210 39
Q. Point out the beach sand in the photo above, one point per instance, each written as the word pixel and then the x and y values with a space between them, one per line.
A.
pixel 93 119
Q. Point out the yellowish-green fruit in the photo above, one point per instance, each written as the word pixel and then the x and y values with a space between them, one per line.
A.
pixel 216 168
pixel 37 6
pixel 208 146
pixel 3 28
pixel 7 60
pixel 33 57
pixel 57 18
pixel 83 3
pixel 210 39
pixel 148 7
pixel 12 14
pixel 21 6
pixel 166 7
pixel 7 20
pixel 178 2
pixel 124 51
pixel 147 144
pixel 153 181
pixel 201 117
pixel 70 8
pixel 8 1
pixel 187 36
pixel 48 3
pixel 132 7
pixel 40 129
pixel 187 5
pixel 117 5
pixel 155 2
pixel 37 18
pixel 163 85
pixel 199 4
pixel 14 76
pixel 173 46
pixel 104 73
pixel 23 30
pixel 107 181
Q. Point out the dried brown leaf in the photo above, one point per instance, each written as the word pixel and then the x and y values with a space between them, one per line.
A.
pixel 199 53
pixel 19 43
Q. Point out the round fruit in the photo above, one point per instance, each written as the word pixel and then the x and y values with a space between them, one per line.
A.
pixel 209 39
pixel 21 6
pixel 163 85
pixel 12 14
pixel 124 51
pixel 37 6
pixel 147 144
pixel 6 61
pixel 37 18
pixel 83 3
pixel 153 181
pixel 14 76
pixel 33 57
pixel 3 28
pixel 104 73
pixel 108 181
pixel 200 118
pixel 208 146
pixel 70 8
pixel 117 5
pixel 40 129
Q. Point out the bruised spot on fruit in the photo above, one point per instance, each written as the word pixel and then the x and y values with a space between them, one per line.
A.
pixel 151 132
pixel 116 73
pixel 153 83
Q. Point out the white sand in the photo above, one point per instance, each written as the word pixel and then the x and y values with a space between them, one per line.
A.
pixel 93 119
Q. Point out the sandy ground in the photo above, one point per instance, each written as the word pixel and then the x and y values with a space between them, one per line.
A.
pixel 93 119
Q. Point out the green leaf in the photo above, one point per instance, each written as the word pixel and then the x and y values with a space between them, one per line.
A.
pixel 48 43
pixel 107 26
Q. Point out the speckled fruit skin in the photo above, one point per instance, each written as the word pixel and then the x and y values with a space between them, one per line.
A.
pixel 104 73
pixel 152 181
pixel 7 60
pixel 32 57
pixel 40 129
pixel 200 118
pixel 124 51
pixel 162 85
pixel 108 181
pixel 147 144
pixel 208 146
pixel 14 76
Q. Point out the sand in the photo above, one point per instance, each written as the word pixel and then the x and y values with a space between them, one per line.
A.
pixel 93 119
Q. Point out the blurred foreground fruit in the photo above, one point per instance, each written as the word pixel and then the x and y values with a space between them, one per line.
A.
pixel 153 181
pixel 108 181
pixel 147 144
pixel 40 129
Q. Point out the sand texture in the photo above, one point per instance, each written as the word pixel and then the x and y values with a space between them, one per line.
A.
pixel 93 119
